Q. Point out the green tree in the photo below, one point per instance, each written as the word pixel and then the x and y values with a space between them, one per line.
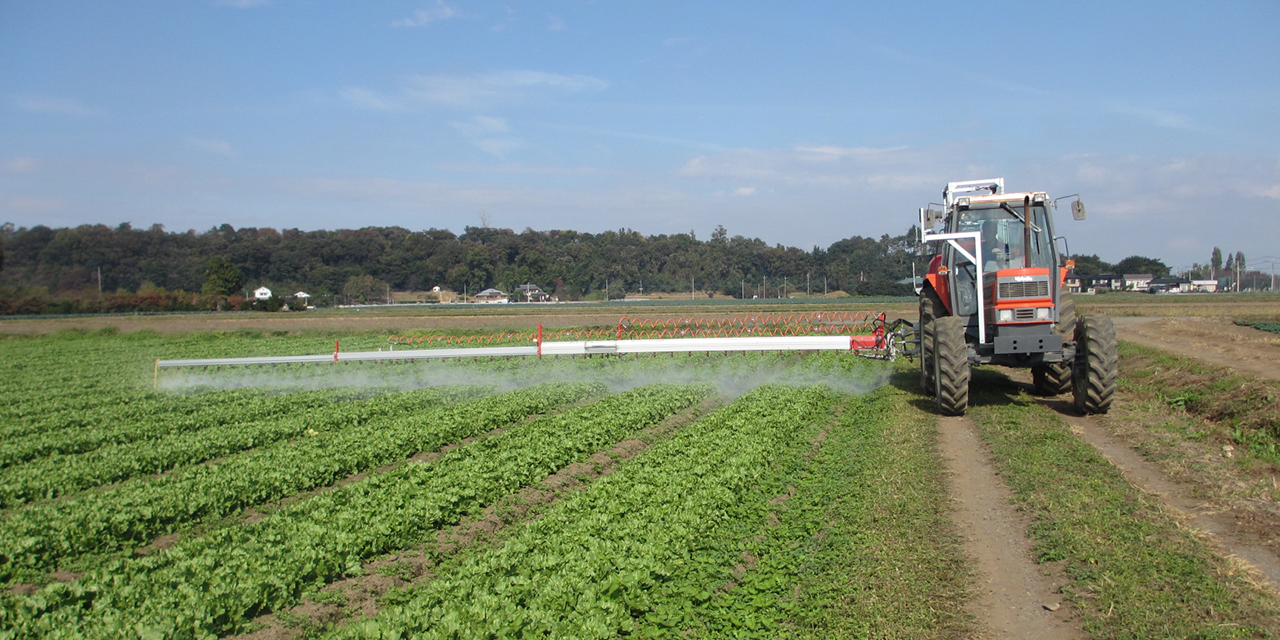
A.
pixel 1215 262
pixel 221 277
pixel 1142 264
pixel 364 288
pixel 1091 265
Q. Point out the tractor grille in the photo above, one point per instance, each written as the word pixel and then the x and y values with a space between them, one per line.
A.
pixel 1036 289
pixel 1024 314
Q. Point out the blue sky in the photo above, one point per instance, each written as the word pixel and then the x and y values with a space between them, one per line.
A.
pixel 798 123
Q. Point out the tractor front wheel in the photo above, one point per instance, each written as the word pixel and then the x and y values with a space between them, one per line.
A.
pixel 1097 364
pixel 950 366
pixel 929 304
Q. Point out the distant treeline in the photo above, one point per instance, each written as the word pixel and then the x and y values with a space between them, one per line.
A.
pixel 97 268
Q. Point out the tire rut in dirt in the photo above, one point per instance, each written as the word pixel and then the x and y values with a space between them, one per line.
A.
pixel 1012 597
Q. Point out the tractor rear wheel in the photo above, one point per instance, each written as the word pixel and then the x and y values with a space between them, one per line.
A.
pixel 1097 364
pixel 950 366
pixel 929 304
pixel 1054 378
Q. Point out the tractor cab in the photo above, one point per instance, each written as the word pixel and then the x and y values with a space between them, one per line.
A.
pixel 999 269
pixel 993 295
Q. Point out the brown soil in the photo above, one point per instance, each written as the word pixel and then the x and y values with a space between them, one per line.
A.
pixel 1014 597
pixel 1217 341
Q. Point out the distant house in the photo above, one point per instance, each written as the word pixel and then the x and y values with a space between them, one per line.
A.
pixel 1137 281
pixel 1204 286
pixel 1169 284
pixel 1072 283
pixel 1106 282
pixel 533 293
pixel 261 293
pixel 302 295
pixel 491 295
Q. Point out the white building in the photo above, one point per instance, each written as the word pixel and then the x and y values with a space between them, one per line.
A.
pixel 261 293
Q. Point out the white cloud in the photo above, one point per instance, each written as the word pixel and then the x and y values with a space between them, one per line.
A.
pixel 30 205
pixel 481 125
pixel 423 17
pixel 52 105
pixel 21 164
pixel 744 191
pixel 217 147
pixel 894 168
pixel 500 147
pixel 555 24
pixel 495 87
pixel 366 99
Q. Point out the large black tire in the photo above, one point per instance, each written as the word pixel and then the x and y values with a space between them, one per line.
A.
pixel 950 366
pixel 1054 378
pixel 929 305
pixel 1097 364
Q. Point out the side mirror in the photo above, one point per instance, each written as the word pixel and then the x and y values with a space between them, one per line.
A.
pixel 1077 210
pixel 929 217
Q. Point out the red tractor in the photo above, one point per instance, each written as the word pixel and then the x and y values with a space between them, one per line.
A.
pixel 994 295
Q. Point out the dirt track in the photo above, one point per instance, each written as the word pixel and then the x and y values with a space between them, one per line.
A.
pixel 1217 341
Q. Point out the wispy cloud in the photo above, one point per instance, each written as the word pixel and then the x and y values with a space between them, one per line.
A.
pixel 469 91
pixel 21 164
pixel 28 205
pixel 555 24
pixel 423 17
pixel 209 145
pixel 52 105
pixel 1151 115
pixel 485 132
pixel 481 125
pixel 891 168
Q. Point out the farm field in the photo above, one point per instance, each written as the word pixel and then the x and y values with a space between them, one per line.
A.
pixel 737 495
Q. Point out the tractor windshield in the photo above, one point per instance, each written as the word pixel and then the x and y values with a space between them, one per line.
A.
pixel 1008 243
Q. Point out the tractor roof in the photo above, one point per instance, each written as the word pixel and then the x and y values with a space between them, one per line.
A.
pixel 1036 196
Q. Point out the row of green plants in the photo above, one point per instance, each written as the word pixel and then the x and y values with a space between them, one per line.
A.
pixel 45 536
pixel 315 412
pixel 1264 325
pixel 156 417
pixel 216 583
pixel 633 552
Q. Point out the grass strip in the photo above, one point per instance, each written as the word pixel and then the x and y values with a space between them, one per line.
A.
pixel 886 560
pixel 859 544
pixel 1245 410
pixel 215 584
pixel 1134 571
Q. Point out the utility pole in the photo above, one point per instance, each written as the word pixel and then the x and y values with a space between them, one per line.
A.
pixel 807 293
pixel 100 282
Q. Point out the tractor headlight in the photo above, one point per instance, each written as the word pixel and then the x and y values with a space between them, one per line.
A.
pixel 1004 315
pixel 1042 313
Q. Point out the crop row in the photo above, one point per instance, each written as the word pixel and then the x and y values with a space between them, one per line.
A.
pixel 215 583
pixel 602 560
pixel 322 411
pixel 44 536
pixel 156 418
